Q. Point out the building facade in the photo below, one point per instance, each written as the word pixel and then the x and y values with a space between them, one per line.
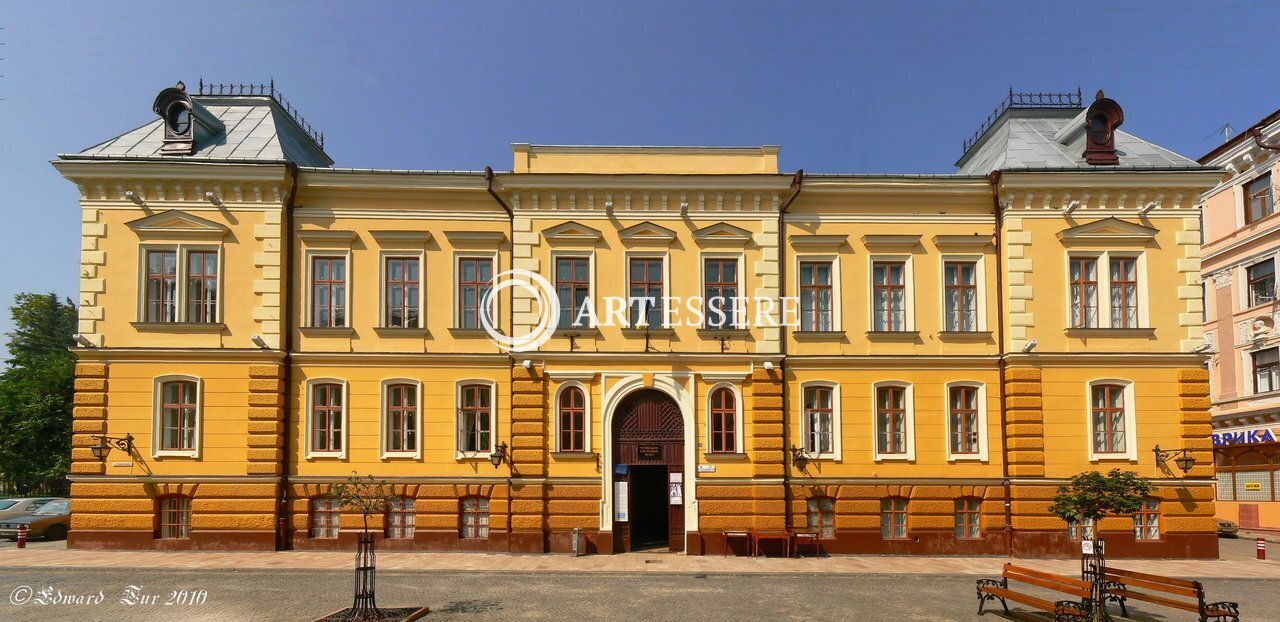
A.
pixel 1241 243
pixel 918 362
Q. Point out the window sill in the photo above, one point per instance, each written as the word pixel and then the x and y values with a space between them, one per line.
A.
pixel 966 458
pixel 893 335
pixel 573 455
pixel 178 327
pixel 1148 333
pixel 652 332
pixel 964 335
pixel 396 455
pixel 818 335
pixel 396 331
pixel 726 456
pixel 716 333
pixel 471 332
pixel 163 455
pixel 326 456
pixel 894 458
pixel 327 331
pixel 468 456
pixel 577 332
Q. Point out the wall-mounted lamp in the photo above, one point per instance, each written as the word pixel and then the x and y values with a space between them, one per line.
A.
pixel 1184 460
pixel 258 341
pixel 213 198
pixel 1148 207
pixel 133 196
pixel 82 341
pixel 1202 348
pixel 768 365
pixel 105 443
pixel 1031 345
pixel 499 455
pixel 799 458
pixel 527 364
pixel 1071 207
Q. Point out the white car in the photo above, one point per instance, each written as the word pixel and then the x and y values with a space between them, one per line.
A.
pixel 11 507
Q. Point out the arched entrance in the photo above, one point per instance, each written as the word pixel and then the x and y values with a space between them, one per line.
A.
pixel 648 463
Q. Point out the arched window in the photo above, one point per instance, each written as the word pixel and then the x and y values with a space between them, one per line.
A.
pixel 475 518
pixel 175 516
pixel 724 421
pixel 178 411
pixel 893 518
pixel 325 517
pixel 402 418
pixel 572 419
pixel 820 516
pixel 401 517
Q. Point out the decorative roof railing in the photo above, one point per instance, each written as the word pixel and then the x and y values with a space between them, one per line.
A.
pixel 268 90
pixel 1026 100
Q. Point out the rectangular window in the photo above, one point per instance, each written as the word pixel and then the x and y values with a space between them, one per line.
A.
pixel 891 420
pixel 476 413
pixel 893 518
pixel 475 518
pixel 1259 200
pixel 820 516
pixel 573 287
pixel 1262 283
pixel 720 283
pixel 475 276
pixel 178 416
pixel 402 418
pixel 889 295
pixel 401 515
pixel 202 287
pixel 403 288
pixel 326 418
pixel 964 420
pixel 646 292
pixel 1146 521
pixel 1084 292
pixel 1075 533
pixel 961 295
pixel 818 418
pixel 162 286
pixel 1108 419
pixel 1266 370
pixel 1124 292
pixel 325 515
pixel 815 296
pixel 175 517
pixel 968 519
pixel 328 292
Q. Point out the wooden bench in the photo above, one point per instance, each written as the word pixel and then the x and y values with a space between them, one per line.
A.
pixel 1121 585
pixel 1077 610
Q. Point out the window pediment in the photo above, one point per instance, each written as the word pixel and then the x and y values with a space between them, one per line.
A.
pixel 903 242
pixel 1110 230
pixel 722 233
pixel 177 224
pixel 571 233
pixel 476 239
pixel 817 242
pixel 401 239
pixel 647 233
pixel 961 242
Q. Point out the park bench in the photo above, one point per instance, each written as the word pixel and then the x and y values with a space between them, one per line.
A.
pixel 1077 610
pixel 1121 585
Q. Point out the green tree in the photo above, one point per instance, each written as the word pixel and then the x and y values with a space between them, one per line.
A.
pixel 1092 495
pixel 36 390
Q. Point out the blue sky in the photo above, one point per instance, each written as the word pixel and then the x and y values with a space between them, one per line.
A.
pixel 843 87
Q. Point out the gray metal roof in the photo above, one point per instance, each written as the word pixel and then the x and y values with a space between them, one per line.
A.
pixel 257 130
pixel 1053 139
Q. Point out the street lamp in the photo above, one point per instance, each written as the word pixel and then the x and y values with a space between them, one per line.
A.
pixel 1183 458
pixel 105 443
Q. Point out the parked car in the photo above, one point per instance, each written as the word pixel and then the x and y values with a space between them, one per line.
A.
pixel 1227 528
pixel 51 522
pixel 16 506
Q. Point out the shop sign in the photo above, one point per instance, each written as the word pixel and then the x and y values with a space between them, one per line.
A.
pixel 1244 437
pixel 1253 485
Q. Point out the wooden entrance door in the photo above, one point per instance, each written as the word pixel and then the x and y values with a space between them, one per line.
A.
pixel 648 431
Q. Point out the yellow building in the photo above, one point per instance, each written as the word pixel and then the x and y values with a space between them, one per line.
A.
pixel 901 363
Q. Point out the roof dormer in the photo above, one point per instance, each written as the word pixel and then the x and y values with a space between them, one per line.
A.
pixel 1101 120
pixel 185 121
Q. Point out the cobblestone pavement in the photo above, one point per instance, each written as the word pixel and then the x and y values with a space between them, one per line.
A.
pixel 235 595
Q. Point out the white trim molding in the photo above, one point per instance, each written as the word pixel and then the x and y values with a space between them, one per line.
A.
pixel 983 454
pixel 310 423
pixel 586 418
pixel 908 425
pixel 384 422
pixel 737 416
pixel 1130 452
pixel 157 417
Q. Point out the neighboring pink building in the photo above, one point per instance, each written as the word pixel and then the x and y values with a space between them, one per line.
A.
pixel 1241 250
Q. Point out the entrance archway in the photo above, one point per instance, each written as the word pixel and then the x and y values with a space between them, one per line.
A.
pixel 648 462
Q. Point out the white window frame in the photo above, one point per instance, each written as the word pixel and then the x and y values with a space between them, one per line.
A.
pixel 737 417
pixel 666 284
pixel 1247 367
pixel 383 256
pixel 836 430
pixel 456 287
pixel 908 291
pixel 310 423
pixel 590 256
pixel 740 260
pixel 979 282
pixel 836 306
pixel 307 296
pixel 586 418
pixel 157 417
pixel 384 420
pixel 180 296
pixel 1241 277
pixel 1103 259
pixel 1130 421
pixel 983 454
pixel 483 454
pixel 909 426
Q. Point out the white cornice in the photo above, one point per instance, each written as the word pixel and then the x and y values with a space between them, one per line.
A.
pixel 187 171
pixel 1198 180
pixel 763 182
